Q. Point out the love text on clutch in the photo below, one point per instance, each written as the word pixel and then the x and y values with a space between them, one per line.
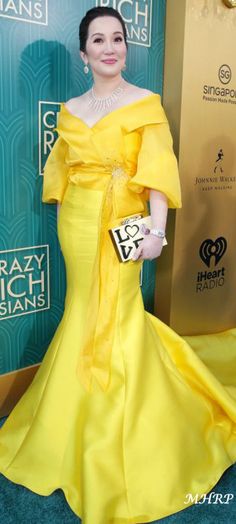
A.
pixel 127 236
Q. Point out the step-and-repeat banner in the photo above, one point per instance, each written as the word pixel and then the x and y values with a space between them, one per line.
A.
pixel 41 67
pixel 203 275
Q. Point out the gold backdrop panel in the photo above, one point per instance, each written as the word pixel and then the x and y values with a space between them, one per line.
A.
pixel 202 278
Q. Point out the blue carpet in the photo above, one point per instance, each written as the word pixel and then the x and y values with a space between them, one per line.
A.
pixel 18 505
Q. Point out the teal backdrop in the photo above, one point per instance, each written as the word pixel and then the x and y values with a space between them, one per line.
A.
pixel 40 67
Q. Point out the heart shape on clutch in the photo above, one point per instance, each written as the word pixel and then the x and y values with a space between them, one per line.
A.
pixel 132 230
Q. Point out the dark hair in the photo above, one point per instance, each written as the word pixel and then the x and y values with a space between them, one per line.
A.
pixel 93 13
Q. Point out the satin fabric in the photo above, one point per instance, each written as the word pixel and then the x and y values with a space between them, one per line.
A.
pixel 130 427
pixel 122 172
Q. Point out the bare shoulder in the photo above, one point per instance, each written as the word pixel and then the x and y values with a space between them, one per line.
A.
pixel 145 92
pixel 139 92
pixel 74 103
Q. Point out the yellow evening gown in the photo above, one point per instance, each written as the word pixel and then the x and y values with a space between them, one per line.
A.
pixel 122 415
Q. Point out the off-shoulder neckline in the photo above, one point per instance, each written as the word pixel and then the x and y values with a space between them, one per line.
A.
pixel 108 115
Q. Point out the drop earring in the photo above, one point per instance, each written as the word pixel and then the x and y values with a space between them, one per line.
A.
pixel 86 69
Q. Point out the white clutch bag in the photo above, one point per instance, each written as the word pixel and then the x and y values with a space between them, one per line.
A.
pixel 127 236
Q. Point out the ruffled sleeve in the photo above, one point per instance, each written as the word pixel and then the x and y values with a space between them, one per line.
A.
pixel 55 173
pixel 157 166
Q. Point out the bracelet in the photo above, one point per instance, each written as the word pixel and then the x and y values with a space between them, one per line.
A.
pixel 158 233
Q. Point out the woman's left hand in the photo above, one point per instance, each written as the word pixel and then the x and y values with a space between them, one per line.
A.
pixel 150 247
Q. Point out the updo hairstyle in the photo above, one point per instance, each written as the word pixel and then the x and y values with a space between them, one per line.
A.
pixel 93 13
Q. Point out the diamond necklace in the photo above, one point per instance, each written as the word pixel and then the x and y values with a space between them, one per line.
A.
pixel 104 103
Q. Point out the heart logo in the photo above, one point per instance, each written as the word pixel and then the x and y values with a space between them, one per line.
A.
pixel 132 230
pixel 209 249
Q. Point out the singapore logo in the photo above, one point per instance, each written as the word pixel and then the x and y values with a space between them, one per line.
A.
pixel 137 16
pixel 211 252
pixel 224 93
pixel 225 74
pixel 32 11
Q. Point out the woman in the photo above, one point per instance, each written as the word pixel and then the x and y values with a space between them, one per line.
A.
pixel 145 422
